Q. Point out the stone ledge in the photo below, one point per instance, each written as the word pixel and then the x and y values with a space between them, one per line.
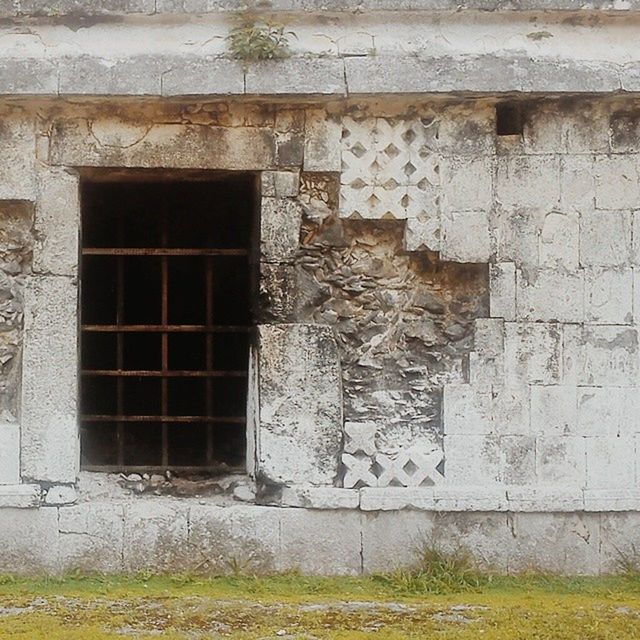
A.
pixel 168 75
pixel 20 496
pixel 91 8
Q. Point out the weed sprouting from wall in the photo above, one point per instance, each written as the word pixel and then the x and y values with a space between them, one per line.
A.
pixel 253 41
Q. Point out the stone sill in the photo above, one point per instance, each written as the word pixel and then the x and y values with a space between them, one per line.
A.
pixel 20 496
pixel 96 8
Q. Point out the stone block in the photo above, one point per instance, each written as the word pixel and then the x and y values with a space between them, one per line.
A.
pixel 19 496
pixel 280 223
pixel 113 142
pixel 486 362
pixel 335 541
pixel 49 381
pixel 611 462
pixel 554 410
pixel 560 240
pixel 567 543
pixel 280 184
pixel 561 460
pixel 534 499
pixel 224 539
pixel 605 238
pixel 469 498
pixel 300 432
pixel 577 183
pixel 465 131
pixel 319 498
pixel 29 76
pixel 9 453
pixel 542 129
pixel 620 541
pixel 608 295
pixel 528 181
pixel 29 542
pixel 278 292
pixel 199 76
pixel 360 437
pixel 18 152
pixel 572 353
pixel 397 498
pixel 466 237
pixel 511 409
pixel 609 357
pixel 467 183
pixel 393 540
pixel 472 460
pixel 608 411
pixel 156 536
pixel 466 410
pixel 535 290
pixel 92 537
pixel 422 234
pixel 617 185
pixel 617 499
pixel 322 142
pixel 635 233
pixel 57 223
pixel 296 75
pixel 137 75
pixel 533 352
pixel 518 460
pixel 61 494
pixel 586 129
pixel 502 290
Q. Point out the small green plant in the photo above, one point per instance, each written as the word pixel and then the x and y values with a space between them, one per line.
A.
pixel 437 571
pixel 628 562
pixel 252 41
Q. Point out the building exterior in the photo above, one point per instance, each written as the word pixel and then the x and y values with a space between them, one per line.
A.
pixel 312 311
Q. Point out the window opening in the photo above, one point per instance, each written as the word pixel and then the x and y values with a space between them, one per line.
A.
pixel 509 119
pixel 166 283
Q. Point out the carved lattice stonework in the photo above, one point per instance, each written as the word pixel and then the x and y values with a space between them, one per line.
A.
pixel 388 169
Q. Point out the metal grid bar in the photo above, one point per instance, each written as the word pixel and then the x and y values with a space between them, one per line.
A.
pixel 164 329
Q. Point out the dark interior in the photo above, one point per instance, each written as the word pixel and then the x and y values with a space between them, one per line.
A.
pixel 166 287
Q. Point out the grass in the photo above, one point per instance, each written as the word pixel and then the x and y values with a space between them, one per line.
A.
pixel 443 596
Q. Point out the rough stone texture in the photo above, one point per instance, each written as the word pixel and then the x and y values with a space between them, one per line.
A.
pixel 49 381
pixel 300 422
pixel 9 453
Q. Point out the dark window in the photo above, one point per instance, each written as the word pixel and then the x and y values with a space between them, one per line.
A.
pixel 166 283
pixel 509 119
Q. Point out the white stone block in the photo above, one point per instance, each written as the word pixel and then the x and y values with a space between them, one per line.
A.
pixel 536 289
pixel 547 498
pixel 322 142
pixel 486 362
pixel 608 411
pixel 617 184
pixel 19 496
pixel 561 460
pixel 511 409
pixel 9 453
pixel 605 238
pixel 560 240
pixel 466 237
pixel 608 295
pixel 533 352
pixel 518 460
pixel 49 381
pixel 423 233
pixel 360 437
pixel 572 353
pixel 467 183
pixel 611 462
pixel 618 499
pixel 470 498
pixel 397 498
pixel 319 498
pixel 502 290
pixel 57 223
pixel 280 184
pixel 586 129
pixel 610 356
pixel 18 153
pixel 280 222
pixel 635 224
pixel 554 410
pixel 60 494
pixel 528 181
pixel 466 410
pixel 577 183
pixel 472 460
pixel 300 432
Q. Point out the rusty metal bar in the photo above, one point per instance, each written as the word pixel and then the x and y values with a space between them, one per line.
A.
pixel 162 328
pixel 209 355
pixel 160 251
pixel 169 419
pixel 144 373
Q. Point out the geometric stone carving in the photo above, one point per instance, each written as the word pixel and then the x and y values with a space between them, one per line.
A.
pixel 357 471
pixel 409 468
pixel 388 169
pixel 360 437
